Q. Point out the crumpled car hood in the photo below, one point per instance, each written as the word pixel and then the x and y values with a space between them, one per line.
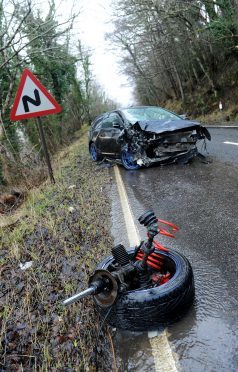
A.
pixel 164 126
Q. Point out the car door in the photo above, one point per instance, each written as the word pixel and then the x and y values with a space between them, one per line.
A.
pixel 95 129
pixel 111 128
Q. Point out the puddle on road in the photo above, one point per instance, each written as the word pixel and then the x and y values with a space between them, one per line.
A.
pixel 205 338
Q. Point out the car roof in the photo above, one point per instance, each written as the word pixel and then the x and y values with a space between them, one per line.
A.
pixel 120 110
pixel 139 106
pixel 146 106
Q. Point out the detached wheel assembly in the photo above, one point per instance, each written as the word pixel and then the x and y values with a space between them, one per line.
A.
pixel 144 287
pixel 146 309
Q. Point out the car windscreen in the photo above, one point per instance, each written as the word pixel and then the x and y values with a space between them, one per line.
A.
pixel 135 114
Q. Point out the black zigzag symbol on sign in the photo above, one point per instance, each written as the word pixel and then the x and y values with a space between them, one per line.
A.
pixel 35 102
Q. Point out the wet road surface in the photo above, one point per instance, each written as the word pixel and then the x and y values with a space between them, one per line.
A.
pixel 225 152
pixel 202 199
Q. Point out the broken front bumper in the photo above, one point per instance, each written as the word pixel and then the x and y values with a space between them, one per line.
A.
pixel 180 158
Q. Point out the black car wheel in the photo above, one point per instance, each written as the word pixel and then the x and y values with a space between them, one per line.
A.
pixel 146 309
pixel 94 152
pixel 127 160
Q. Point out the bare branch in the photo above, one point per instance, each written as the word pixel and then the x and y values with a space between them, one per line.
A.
pixel 33 39
pixel 17 29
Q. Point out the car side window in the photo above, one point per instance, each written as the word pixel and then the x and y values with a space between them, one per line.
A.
pixel 107 123
pixel 98 121
pixel 115 118
pixel 112 119
pixel 98 125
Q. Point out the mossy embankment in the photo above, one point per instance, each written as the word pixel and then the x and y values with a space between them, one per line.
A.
pixel 64 232
pixel 203 106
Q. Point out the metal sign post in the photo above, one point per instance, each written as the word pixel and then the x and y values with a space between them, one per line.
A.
pixel 45 149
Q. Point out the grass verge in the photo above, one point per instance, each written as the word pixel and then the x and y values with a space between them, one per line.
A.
pixel 64 233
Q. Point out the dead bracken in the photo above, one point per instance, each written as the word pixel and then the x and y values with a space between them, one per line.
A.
pixel 10 201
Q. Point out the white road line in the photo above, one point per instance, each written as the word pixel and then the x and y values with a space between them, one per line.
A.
pixel 132 232
pixel 164 358
pixel 231 143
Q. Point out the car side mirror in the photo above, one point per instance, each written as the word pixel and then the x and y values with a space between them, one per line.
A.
pixel 116 124
pixel 184 116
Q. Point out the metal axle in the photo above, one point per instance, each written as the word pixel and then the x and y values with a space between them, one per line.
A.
pixel 102 285
pixel 78 296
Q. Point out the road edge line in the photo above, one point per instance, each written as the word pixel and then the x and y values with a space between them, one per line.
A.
pixel 132 232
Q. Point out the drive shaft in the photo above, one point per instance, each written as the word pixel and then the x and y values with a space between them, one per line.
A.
pixel 78 296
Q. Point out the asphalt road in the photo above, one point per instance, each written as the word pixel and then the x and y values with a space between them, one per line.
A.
pixel 202 199
pixel 224 145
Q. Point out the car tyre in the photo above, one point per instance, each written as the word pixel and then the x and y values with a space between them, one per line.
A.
pixel 146 309
pixel 127 160
pixel 95 156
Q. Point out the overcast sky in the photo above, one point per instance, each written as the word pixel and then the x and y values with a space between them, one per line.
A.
pixel 91 26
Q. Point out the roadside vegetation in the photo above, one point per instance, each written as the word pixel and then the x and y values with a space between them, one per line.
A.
pixel 181 54
pixel 51 244
pixel 48 255
pixel 43 42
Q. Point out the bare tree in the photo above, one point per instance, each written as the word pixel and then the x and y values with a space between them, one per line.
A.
pixel 171 47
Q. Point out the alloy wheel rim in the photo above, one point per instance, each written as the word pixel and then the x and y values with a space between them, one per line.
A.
pixel 93 151
pixel 128 160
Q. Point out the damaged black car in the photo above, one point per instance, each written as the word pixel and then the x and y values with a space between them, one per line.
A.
pixel 141 136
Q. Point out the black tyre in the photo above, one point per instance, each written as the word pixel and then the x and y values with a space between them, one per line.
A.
pixel 146 309
pixel 94 153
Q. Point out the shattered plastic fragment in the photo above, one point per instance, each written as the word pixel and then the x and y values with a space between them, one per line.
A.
pixel 140 162
pixel 26 265
pixel 71 209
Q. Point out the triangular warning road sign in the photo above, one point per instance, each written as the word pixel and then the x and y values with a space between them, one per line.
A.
pixel 32 99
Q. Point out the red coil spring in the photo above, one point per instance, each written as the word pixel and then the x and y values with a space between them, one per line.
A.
pixel 156 260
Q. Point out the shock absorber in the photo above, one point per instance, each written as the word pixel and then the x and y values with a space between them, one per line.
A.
pixel 149 220
pixel 152 256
